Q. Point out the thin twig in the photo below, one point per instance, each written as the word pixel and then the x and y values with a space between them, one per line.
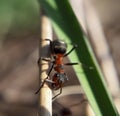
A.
pixel 45 98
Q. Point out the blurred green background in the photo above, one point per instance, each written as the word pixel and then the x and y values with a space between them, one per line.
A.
pixel 19 33
pixel 18 17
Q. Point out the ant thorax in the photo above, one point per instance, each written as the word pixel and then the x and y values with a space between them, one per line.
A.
pixel 58 59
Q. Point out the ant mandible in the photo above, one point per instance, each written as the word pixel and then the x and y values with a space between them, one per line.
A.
pixel 58 50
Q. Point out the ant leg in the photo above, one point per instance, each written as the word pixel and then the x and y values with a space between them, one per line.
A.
pixel 50 70
pixel 75 46
pixel 75 63
pixel 45 59
pixel 50 43
pixel 40 86
pixel 45 80
pixel 48 40
pixel 58 93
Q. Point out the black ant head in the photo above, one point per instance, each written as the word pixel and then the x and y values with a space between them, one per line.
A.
pixel 59 47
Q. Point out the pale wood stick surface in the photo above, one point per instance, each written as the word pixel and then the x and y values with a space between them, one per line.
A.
pixel 45 101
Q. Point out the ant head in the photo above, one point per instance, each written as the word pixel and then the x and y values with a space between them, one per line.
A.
pixel 59 47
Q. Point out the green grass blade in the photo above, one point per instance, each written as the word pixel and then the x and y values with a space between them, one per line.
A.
pixel 67 28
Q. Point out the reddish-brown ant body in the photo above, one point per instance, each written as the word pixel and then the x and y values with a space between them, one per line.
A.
pixel 58 50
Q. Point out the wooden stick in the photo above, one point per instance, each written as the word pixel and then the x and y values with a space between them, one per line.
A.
pixel 45 96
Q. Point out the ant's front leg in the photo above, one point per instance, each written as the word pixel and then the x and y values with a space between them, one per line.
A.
pixel 74 47
pixel 40 86
pixel 46 79
pixel 45 59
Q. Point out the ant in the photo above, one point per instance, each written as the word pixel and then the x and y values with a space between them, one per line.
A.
pixel 58 50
